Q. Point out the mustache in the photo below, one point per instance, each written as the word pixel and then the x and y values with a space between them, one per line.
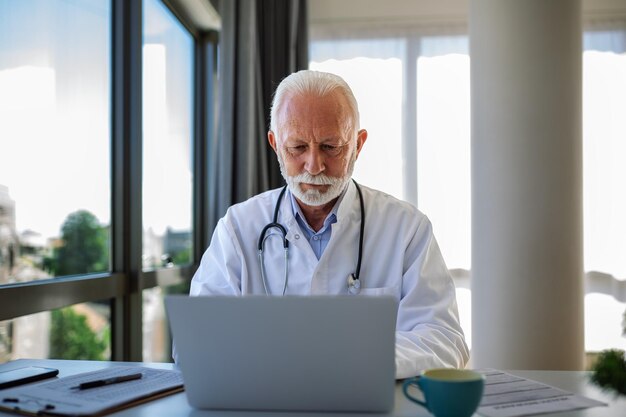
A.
pixel 320 179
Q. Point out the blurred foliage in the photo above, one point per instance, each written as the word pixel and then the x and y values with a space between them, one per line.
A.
pixel 84 247
pixel 609 371
pixel 609 368
pixel 71 337
pixel 182 258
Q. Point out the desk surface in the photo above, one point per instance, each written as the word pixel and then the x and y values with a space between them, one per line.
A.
pixel 176 405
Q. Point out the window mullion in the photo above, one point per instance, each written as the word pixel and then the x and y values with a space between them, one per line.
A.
pixel 409 137
pixel 203 127
pixel 126 214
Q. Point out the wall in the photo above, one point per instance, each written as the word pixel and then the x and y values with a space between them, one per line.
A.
pixel 410 11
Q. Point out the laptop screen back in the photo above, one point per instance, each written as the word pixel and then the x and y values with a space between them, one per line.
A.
pixel 323 353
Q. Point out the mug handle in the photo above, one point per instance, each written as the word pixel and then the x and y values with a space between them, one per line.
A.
pixel 405 388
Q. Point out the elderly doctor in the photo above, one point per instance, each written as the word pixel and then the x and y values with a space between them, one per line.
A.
pixel 316 136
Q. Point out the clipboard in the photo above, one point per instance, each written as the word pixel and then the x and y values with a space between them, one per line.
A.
pixel 60 397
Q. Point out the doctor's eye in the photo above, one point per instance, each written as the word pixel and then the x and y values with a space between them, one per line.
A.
pixel 331 149
pixel 296 149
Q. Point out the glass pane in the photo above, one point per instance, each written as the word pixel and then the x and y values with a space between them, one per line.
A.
pixel 604 171
pixel 167 138
pixel 604 141
pixel 157 341
pixel 373 70
pixel 605 321
pixel 54 138
pixel 81 331
pixel 443 149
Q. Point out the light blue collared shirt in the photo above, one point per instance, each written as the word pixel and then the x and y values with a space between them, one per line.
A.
pixel 318 240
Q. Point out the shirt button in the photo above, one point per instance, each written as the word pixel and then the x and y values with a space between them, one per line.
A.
pixel 316 238
pixel 297 236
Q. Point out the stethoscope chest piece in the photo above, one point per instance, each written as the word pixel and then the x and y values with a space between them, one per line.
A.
pixel 354 285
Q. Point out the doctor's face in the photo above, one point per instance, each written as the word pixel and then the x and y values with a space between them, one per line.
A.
pixel 316 145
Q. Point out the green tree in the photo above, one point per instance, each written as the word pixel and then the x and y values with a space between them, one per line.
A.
pixel 71 337
pixel 182 257
pixel 85 246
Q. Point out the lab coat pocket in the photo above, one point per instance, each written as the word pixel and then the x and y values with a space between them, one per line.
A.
pixel 393 291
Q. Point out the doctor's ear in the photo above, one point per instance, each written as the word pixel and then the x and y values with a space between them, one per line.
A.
pixel 271 138
pixel 360 140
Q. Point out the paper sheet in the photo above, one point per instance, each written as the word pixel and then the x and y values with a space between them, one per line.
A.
pixel 507 395
pixel 60 397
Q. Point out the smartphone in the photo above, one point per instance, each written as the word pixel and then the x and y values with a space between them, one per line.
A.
pixel 25 375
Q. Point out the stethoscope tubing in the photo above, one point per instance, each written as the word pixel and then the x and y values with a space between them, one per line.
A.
pixel 357 273
pixel 275 224
pixel 354 283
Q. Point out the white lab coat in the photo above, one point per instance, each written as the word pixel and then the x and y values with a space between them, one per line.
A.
pixel 400 258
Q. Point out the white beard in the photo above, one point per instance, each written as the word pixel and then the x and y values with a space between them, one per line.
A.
pixel 313 197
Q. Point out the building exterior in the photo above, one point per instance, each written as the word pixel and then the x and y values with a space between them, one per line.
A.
pixel 9 243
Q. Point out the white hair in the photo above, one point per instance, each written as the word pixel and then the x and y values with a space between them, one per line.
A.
pixel 317 83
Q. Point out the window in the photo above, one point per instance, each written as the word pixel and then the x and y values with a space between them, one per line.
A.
pixel 81 331
pixel 54 139
pixel 383 123
pixel 604 150
pixel 443 144
pixel 54 167
pixel 71 89
pixel 167 161
pixel 167 138
pixel 434 111
pixel 439 75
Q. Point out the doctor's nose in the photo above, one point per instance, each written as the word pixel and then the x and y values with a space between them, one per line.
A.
pixel 314 161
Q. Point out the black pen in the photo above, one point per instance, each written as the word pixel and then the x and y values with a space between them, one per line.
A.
pixel 108 381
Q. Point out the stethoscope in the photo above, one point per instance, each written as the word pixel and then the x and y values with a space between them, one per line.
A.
pixel 354 282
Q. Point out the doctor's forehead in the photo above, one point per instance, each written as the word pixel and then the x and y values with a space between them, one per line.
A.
pixel 312 112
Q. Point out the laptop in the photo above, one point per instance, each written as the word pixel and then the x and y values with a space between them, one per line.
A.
pixel 320 353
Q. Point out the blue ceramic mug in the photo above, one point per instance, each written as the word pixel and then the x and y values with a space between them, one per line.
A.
pixel 448 392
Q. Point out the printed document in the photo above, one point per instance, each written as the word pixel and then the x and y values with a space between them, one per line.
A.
pixel 507 395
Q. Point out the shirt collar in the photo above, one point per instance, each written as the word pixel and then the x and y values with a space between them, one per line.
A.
pixel 330 218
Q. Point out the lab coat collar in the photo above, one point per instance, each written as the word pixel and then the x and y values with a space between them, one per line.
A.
pixel 348 207
pixel 331 217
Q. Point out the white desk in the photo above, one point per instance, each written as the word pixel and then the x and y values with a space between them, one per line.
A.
pixel 176 405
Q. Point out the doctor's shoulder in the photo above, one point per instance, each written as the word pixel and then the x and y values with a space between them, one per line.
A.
pixel 256 209
pixel 386 207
